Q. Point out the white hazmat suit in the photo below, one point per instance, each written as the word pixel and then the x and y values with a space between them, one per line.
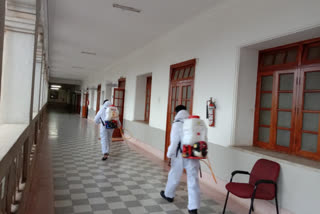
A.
pixel 178 163
pixel 105 134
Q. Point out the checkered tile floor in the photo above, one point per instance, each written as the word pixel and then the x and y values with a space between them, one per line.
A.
pixel 127 183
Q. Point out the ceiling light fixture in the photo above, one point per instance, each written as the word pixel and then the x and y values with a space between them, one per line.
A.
pixel 55 86
pixel 56 89
pixel 122 7
pixel 89 53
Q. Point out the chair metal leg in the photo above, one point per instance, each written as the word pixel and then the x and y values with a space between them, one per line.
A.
pixel 225 204
pixel 277 204
pixel 251 205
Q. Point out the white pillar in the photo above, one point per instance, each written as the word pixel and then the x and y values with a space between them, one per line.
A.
pixel 37 76
pixel 18 59
pixel 37 86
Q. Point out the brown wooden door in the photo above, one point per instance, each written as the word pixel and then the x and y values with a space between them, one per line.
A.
pixel 148 99
pixel 98 98
pixel 118 101
pixel 122 83
pixel 180 93
pixel 78 108
pixel 85 105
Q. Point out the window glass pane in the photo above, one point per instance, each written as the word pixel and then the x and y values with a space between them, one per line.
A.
pixel 120 102
pixel 173 95
pixel 286 82
pixel 265 117
pixel 312 80
pixel 116 93
pixel 184 92
pixel 266 83
pixel 311 121
pixel 279 58
pixel 192 72
pixel 177 92
pixel 264 134
pixel 176 73
pixel 180 74
pixel 292 55
pixel 172 118
pixel 189 92
pixel 268 59
pixel 314 53
pixel 188 106
pixel 116 102
pixel 266 100
pixel 186 73
pixel 284 119
pixel 120 94
pixel 309 142
pixel 312 101
pixel 285 101
pixel 172 106
pixel 283 138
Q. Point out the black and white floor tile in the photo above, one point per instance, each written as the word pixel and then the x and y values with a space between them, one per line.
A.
pixel 127 183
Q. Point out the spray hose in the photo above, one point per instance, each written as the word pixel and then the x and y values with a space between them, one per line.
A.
pixel 209 166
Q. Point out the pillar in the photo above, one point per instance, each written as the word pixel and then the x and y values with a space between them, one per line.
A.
pixel 18 62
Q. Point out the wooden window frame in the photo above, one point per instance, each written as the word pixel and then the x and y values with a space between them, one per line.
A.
pixel 2 26
pixel 298 68
pixel 148 95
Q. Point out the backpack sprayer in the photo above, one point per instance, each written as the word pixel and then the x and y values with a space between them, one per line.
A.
pixel 112 117
pixel 194 141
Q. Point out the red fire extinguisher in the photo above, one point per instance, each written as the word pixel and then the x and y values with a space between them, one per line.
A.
pixel 211 109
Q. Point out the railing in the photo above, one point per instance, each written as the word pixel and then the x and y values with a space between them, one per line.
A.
pixel 17 166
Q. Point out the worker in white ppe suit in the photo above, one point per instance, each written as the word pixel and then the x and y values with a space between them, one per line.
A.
pixel 178 163
pixel 105 134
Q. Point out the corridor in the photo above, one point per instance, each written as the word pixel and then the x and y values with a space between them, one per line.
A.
pixel 127 183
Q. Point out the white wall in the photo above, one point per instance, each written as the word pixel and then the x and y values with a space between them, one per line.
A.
pixel 140 101
pixel 246 96
pixel 215 39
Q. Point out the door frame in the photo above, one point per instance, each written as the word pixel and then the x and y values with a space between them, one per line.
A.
pixel 191 62
pixel 85 106
pixel 122 82
pixel 117 133
pixel 98 98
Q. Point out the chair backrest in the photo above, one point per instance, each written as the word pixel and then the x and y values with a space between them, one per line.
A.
pixel 266 170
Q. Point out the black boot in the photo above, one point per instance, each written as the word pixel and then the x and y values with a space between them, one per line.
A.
pixel 164 196
pixel 193 211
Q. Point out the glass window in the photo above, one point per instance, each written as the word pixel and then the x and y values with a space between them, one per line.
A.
pixel 314 53
pixel 266 83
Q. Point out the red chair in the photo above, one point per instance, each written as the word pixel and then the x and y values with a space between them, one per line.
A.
pixel 262 183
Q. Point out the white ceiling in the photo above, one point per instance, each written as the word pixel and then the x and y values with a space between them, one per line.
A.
pixel 95 26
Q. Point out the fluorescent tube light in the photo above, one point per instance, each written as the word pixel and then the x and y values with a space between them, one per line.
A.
pixel 55 86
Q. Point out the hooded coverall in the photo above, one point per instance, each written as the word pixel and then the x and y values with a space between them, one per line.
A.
pixel 178 163
pixel 105 134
